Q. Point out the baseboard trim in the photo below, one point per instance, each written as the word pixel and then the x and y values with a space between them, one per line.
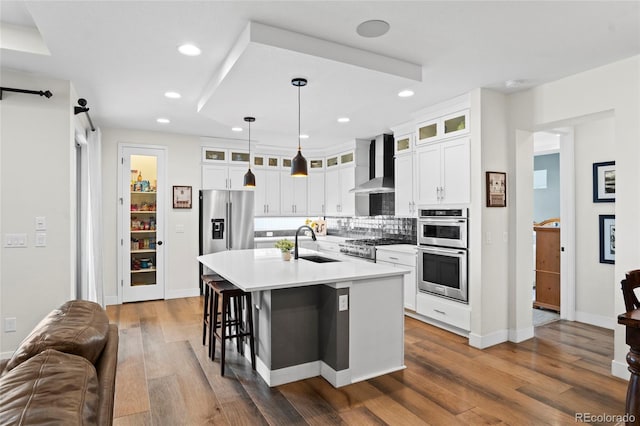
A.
pixel 336 378
pixel 179 294
pixel 597 320
pixel 521 334
pixel 377 373
pixel 620 369
pixel 111 300
pixel 487 340
pixel 287 374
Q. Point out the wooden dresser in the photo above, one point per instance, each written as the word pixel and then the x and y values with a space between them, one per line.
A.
pixel 547 268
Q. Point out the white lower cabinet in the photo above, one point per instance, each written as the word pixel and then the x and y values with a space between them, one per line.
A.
pixel 445 311
pixel 405 261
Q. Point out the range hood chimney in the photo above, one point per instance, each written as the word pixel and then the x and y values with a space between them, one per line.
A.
pixel 380 167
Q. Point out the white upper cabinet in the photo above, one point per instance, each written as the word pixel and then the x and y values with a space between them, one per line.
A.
pixel 404 181
pixel 267 192
pixel 315 194
pixel 293 194
pixel 223 177
pixel 443 173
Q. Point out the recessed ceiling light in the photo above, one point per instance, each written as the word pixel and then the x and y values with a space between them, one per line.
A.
pixel 304 136
pixel 163 120
pixel 343 120
pixel 405 93
pixel 511 84
pixel 172 95
pixel 373 28
pixel 236 129
pixel 189 50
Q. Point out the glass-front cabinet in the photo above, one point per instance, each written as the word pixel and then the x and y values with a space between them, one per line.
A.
pixel 443 127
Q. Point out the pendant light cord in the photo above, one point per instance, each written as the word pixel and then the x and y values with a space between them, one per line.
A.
pixel 249 145
pixel 298 118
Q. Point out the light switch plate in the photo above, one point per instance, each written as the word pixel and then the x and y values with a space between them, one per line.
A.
pixel 9 324
pixel 15 240
pixel 41 239
pixel 41 223
pixel 343 302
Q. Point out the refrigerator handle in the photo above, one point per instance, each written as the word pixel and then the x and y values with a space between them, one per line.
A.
pixel 229 236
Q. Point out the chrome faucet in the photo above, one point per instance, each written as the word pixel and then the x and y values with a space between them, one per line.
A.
pixel 313 236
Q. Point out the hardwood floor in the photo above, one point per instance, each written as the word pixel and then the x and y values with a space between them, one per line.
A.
pixel 165 378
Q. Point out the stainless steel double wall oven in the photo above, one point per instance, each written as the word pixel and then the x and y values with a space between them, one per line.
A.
pixel 442 253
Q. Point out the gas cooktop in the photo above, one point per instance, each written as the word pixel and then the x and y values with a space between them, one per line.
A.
pixel 366 248
pixel 376 241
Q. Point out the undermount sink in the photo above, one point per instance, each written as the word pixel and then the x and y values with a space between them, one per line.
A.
pixel 318 259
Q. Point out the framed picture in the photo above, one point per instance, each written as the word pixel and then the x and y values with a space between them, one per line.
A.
pixel 496 189
pixel 607 238
pixel 604 182
pixel 181 197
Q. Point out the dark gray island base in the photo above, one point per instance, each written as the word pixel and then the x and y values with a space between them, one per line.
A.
pixel 348 329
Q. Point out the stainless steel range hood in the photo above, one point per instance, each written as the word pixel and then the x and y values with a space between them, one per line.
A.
pixel 380 168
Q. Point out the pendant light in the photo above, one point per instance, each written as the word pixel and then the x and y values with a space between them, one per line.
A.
pixel 299 163
pixel 249 178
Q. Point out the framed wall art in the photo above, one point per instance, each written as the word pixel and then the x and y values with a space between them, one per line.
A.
pixel 496 189
pixel 181 197
pixel 607 238
pixel 604 182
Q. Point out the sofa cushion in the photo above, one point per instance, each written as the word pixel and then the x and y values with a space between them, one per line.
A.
pixel 50 388
pixel 78 327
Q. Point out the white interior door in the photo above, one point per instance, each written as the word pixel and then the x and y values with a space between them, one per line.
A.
pixel 142 222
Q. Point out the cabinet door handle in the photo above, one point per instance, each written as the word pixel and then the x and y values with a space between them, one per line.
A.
pixel 440 312
pixel 394 258
pixel 442 193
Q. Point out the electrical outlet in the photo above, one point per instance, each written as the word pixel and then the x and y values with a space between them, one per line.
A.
pixel 9 324
pixel 180 229
pixel 343 302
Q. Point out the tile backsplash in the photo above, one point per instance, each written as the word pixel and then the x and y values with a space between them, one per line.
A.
pixel 373 227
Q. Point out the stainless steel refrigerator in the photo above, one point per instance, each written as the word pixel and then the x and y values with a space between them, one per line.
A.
pixel 226 222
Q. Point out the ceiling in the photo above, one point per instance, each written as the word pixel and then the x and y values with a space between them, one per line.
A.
pixel 122 57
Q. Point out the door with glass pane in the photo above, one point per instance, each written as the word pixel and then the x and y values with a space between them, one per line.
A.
pixel 142 219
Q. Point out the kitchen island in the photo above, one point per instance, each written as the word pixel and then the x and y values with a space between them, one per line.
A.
pixel 341 320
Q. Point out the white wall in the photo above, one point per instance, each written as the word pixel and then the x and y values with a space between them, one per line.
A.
pixel 183 168
pixel 611 88
pixel 594 142
pixel 488 226
pixel 37 178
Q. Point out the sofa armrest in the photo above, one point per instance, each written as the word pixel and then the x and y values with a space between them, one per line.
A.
pixel 3 364
pixel 106 369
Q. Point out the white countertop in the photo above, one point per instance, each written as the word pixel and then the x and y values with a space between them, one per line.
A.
pixel 330 238
pixel 264 269
pixel 399 248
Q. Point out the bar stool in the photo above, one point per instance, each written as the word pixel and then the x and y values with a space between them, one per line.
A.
pixel 208 302
pixel 230 319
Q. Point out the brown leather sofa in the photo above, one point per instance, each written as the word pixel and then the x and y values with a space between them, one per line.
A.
pixel 64 372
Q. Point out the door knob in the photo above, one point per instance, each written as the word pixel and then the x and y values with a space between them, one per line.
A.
pixel 159 243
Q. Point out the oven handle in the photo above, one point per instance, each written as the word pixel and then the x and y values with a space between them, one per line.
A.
pixel 424 221
pixel 432 249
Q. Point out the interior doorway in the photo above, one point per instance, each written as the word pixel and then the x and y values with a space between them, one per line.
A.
pixel 142 198
pixel 546 231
